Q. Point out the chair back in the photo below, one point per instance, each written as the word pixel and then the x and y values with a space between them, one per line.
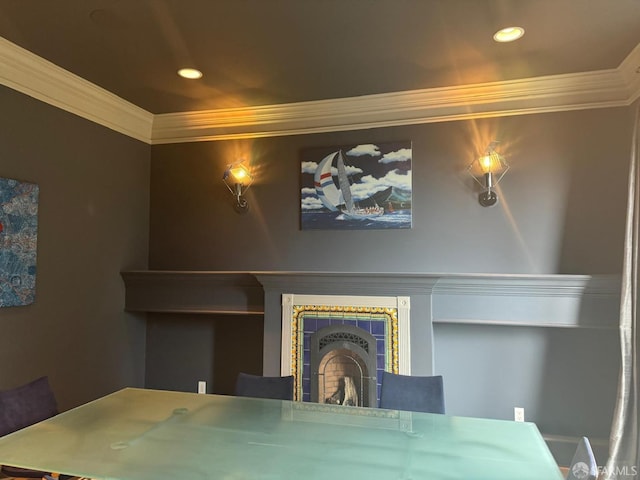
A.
pixel 280 388
pixel 21 407
pixel 583 465
pixel 406 392
pixel 25 405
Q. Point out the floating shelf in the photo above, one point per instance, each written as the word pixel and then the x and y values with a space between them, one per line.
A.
pixel 196 292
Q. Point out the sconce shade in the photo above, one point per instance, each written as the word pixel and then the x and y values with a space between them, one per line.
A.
pixel 238 179
pixel 239 174
pixel 491 163
pixel 488 170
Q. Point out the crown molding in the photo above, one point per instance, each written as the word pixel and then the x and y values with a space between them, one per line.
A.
pixel 630 72
pixel 599 89
pixel 32 75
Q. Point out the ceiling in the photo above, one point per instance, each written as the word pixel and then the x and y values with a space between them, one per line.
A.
pixel 275 52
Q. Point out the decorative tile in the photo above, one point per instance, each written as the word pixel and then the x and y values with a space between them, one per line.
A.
pixel 311 319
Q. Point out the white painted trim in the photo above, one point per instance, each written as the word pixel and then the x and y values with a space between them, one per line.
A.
pixel 34 76
pixel 630 71
pixel 518 97
pixel 25 72
pixel 402 304
pixel 404 335
pixel 285 350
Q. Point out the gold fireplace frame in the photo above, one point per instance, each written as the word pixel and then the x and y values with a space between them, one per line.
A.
pixel 394 311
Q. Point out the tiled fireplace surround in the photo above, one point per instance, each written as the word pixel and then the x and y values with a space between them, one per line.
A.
pixel 327 338
pixel 476 300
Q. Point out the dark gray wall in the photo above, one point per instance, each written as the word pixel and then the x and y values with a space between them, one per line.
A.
pixel 565 378
pixel 561 211
pixel 92 223
pixel 565 188
pixel 186 349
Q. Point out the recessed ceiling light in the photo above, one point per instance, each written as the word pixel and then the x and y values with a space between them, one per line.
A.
pixel 190 73
pixel 508 34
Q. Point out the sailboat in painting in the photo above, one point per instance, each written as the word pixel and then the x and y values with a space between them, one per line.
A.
pixel 333 197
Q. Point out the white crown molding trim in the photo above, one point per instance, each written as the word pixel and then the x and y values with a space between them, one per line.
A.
pixel 606 88
pixel 34 76
pixel 630 71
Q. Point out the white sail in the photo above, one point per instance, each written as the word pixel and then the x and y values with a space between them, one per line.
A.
pixel 345 187
pixel 332 197
pixel 351 211
pixel 326 189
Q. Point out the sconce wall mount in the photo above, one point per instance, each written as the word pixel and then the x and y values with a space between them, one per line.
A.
pixel 488 170
pixel 238 179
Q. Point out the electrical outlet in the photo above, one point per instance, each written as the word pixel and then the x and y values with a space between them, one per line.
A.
pixel 518 414
pixel 202 386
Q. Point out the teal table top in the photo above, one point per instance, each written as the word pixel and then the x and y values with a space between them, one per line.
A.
pixel 137 434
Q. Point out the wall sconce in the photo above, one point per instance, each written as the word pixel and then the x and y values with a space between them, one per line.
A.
pixel 238 179
pixel 488 170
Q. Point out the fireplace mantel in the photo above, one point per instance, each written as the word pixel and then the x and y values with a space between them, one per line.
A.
pixel 586 301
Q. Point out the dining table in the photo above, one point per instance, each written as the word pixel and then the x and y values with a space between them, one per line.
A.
pixel 144 434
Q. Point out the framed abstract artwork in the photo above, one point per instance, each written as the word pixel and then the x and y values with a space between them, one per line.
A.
pixel 18 242
pixel 356 187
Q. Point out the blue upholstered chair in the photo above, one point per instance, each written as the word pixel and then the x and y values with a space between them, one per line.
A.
pixel 583 465
pixel 23 406
pixel 280 388
pixel 406 392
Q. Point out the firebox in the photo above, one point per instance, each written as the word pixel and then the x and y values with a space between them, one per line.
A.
pixel 343 366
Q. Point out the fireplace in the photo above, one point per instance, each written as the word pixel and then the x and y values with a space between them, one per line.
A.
pixel 337 347
pixel 343 366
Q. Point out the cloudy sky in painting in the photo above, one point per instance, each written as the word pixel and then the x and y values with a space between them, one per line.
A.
pixel 372 168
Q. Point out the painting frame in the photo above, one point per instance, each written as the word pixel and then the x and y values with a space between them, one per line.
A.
pixel 359 186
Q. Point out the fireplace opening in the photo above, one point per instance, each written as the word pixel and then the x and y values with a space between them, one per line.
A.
pixel 340 379
pixel 343 366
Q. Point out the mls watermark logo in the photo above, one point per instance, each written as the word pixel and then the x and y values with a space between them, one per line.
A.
pixel 581 470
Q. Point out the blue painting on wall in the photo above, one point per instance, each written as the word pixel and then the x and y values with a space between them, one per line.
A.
pixel 18 242
pixel 356 187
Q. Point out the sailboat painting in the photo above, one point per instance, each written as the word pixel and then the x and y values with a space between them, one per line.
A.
pixel 356 187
